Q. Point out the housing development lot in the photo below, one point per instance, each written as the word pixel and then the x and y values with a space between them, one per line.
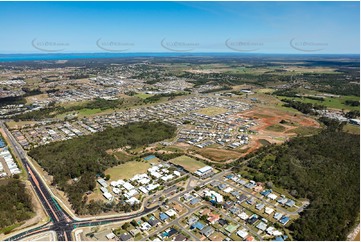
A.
pixel 201 149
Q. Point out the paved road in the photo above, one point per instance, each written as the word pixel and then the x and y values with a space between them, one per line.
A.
pixel 61 222
pixel 238 187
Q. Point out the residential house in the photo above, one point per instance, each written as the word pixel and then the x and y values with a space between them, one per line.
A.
pixel 163 216
pixel 198 225
pixel 213 218
pixel 192 220
pixel 125 237
pixel 290 203
pixel 284 220
pixel 207 231
pixel 222 222
pixel 262 226
pixel 231 228
pixel 180 237
pixel 242 233
pixel 277 216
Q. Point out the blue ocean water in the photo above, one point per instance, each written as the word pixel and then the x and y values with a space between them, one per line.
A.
pixel 73 56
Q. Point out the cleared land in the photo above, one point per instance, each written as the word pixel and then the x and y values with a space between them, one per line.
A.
pixel 330 102
pixel 212 111
pixel 276 128
pixel 187 163
pixel 127 170
pixel 143 95
pixel 267 117
pixel 219 154
pixel 350 128
pixel 304 131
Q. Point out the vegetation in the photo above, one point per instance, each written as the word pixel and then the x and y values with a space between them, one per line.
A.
pixel 15 206
pixel 11 101
pixel 323 168
pixel 85 157
pixel 127 170
pixel 306 108
pixel 353 114
pixel 187 163
pixel 170 96
pixel 167 156
pixel 98 104
pixel 276 128
pixel 352 103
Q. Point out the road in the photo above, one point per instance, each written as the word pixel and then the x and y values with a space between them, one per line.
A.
pixel 63 223
pixel 60 221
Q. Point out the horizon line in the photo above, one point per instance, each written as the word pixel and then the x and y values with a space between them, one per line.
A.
pixel 176 53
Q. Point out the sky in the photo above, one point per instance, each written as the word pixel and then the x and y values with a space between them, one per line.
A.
pixel 245 27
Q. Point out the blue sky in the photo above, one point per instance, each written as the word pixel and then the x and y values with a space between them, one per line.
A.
pixel 259 27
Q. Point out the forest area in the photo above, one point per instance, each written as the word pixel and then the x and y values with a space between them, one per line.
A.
pixel 324 169
pixel 85 157
pixel 15 206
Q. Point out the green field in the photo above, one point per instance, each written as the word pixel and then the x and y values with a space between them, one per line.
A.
pixel 87 111
pixel 350 128
pixel 127 170
pixel 187 163
pixel 276 128
pixel 304 131
pixel 265 90
pixel 335 102
pixel 143 95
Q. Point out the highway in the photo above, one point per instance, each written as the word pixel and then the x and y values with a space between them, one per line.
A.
pixel 60 221
pixel 63 224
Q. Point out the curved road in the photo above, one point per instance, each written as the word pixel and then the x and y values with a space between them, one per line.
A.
pixel 60 221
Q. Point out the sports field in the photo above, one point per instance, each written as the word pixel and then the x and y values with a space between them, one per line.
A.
pixel 127 170
pixel 187 163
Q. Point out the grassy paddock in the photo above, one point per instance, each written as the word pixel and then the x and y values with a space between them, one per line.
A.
pixel 335 102
pixel 127 170
pixel 187 163
pixel 276 128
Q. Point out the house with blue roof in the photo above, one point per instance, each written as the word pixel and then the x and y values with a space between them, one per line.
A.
pixel 163 216
pixel 266 192
pixel 198 225
pixel 284 220
pixel 230 176
pixel 290 203
pixel 194 201
pixel 222 186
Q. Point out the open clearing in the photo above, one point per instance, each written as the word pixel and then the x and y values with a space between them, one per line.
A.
pixel 304 131
pixel 187 163
pixel 330 102
pixel 127 170
pixel 276 128
pixel 353 129
pixel 143 95
pixel 268 117
pixel 218 155
pixel 211 111
pixel 16 125
pixel 265 90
